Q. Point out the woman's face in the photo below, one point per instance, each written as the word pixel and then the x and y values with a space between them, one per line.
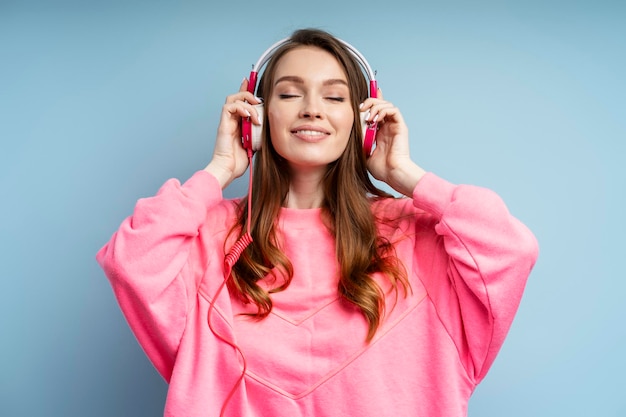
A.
pixel 310 112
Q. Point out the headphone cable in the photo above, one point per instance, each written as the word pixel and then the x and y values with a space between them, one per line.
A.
pixel 229 261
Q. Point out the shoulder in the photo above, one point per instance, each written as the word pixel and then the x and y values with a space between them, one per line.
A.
pixel 221 217
pixel 393 215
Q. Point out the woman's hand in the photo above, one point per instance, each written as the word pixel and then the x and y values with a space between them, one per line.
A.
pixel 230 159
pixel 390 161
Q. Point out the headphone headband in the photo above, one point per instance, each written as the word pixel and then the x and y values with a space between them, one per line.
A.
pixel 353 51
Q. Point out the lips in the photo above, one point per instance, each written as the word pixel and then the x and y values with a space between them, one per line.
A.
pixel 310 133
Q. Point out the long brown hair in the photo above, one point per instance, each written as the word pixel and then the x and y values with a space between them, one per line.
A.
pixel 348 192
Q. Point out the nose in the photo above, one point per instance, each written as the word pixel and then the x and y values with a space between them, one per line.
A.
pixel 311 109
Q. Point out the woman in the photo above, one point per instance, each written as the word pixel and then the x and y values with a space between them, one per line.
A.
pixel 347 302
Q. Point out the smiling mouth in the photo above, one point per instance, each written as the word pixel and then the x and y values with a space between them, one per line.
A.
pixel 309 133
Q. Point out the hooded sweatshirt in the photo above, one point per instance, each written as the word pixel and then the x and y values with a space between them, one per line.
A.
pixel 466 257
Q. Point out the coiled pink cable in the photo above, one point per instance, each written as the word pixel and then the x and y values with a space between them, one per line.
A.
pixel 229 261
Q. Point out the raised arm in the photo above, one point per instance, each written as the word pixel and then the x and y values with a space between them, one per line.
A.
pixel 488 255
pixel 146 262
pixel 148 259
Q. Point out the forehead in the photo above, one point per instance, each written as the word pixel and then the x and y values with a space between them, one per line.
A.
pixel 310 62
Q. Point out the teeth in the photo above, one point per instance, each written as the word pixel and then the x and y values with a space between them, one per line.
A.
pixel 310 132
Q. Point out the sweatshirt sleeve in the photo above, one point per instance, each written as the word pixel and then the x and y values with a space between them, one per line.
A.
pixel 145 262
pixel 488 257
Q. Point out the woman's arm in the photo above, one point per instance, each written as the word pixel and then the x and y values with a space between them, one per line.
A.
pixel 483 255
pixel 148 259
pixel 484 258
pixel 390 161
pixel 145 261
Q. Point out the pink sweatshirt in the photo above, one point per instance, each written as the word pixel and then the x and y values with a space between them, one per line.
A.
pixel 467 259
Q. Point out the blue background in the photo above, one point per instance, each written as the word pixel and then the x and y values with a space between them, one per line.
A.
pixel 100 103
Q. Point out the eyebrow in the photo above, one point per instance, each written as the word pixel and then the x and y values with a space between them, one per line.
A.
pixel 299 80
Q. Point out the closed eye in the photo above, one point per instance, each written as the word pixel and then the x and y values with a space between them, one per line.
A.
pixel 287 96
pixel 337 99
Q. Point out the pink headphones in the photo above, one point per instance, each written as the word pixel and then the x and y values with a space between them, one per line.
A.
pixel 251 133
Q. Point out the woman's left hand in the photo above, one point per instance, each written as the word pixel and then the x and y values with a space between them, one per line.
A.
pixel 390 161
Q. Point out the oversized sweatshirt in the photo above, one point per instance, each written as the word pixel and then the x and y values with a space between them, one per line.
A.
pixel 467 260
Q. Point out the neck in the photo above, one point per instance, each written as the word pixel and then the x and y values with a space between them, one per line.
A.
pixel 305 189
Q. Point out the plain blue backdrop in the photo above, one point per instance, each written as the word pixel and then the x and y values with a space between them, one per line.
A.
pixel 101 102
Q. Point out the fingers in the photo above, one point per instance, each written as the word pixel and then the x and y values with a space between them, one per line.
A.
pixel 377 110
pixel 240 109
pixel 244 85
pixel 244 95
pixel 242 103
pixel 387 118
pixel 243 88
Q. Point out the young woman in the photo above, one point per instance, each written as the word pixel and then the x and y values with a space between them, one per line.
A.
pixel 335 299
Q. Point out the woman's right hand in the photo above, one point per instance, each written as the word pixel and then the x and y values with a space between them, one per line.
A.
pixel 230 159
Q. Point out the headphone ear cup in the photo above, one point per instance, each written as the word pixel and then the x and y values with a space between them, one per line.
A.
pixel 257 129
pixel 251 133
pixel 369 134
pixel 364 123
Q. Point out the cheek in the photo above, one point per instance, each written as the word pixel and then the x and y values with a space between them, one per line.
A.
pixel 350 123
pixel 345 121
pixel 275 130
pixel 276 116
pixel 273 120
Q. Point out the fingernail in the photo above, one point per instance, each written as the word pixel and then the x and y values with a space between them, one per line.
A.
pixel 375 118
pixel 247 113
pixel 259 99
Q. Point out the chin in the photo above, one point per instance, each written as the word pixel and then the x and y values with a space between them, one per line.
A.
pixel 311 163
